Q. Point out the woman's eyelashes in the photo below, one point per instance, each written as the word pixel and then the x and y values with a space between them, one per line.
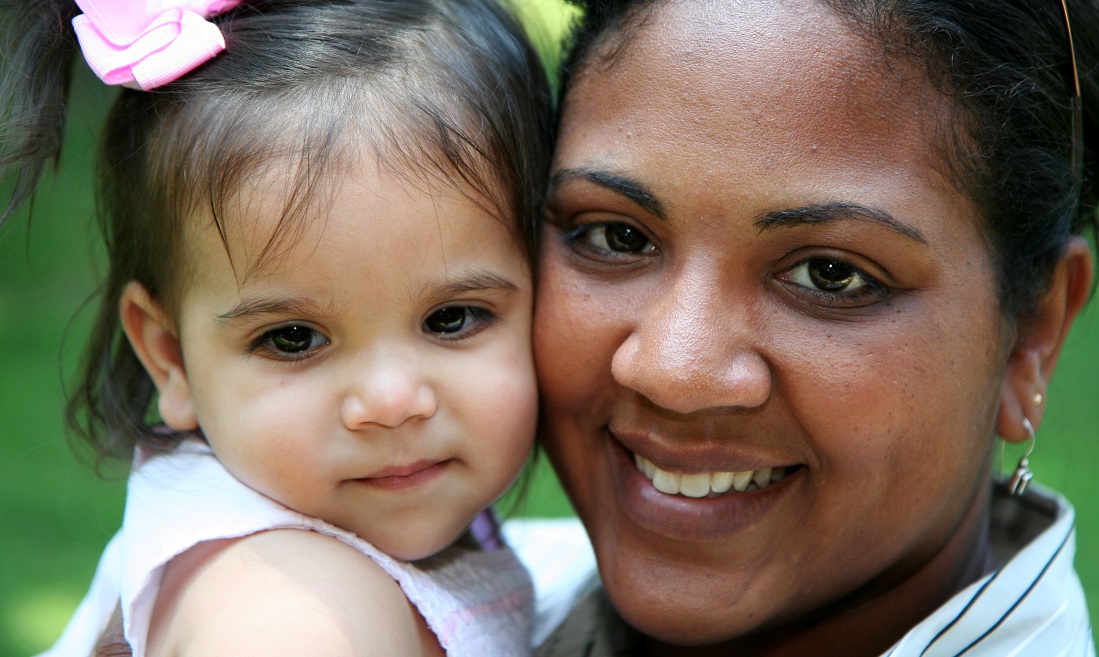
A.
pixel 835 282
pixel 290 342
pixel 611 239
pixel 827 280
pixel 458 322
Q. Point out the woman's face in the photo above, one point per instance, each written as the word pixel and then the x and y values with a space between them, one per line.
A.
pixel 753 265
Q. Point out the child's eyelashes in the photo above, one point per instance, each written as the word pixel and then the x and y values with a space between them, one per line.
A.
pixel 458 322
pixel 297 341
pixel 290 342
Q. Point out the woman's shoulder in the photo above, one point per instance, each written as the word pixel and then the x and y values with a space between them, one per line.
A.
pixel 280 592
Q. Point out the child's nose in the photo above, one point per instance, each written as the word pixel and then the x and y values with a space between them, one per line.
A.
pixel 388 394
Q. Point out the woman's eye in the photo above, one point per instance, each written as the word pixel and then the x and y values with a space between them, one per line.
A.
pixel 453 322
pixel 618 238
pixel 831 277
pixel 291 342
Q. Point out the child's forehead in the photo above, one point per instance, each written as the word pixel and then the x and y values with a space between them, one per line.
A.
pixel 299 160
pixel 276 226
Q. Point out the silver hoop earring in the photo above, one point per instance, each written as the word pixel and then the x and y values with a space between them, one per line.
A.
pixel 1017 483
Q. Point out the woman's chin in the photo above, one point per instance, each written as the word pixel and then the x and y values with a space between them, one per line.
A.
pixel 685 604
pixel 679 617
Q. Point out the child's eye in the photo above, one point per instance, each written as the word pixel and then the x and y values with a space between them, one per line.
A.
pixel 455 322
pixel 612 238
pixel 834 280
pixel 290 342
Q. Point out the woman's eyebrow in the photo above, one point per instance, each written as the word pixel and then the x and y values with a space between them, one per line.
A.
pixel 628 187
pixel 822 213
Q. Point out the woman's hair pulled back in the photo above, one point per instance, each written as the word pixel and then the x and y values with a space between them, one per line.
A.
pixel 444 91
pixel 1005 67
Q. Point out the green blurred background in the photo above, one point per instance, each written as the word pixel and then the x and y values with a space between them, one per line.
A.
pixel 56 514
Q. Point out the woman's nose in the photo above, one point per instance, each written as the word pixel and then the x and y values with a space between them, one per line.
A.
pixel 387 391
pixel 690 351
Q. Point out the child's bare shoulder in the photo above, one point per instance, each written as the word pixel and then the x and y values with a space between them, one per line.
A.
pixel 281 592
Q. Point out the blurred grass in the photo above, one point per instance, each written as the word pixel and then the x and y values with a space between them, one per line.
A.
pixel 56 515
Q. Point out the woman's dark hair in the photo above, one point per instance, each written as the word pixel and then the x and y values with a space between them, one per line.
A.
pixel 445 91
pixel 1006 68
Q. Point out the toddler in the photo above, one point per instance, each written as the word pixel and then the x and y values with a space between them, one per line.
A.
pixel 315 343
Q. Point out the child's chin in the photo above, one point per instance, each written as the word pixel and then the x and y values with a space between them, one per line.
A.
pixel 413 548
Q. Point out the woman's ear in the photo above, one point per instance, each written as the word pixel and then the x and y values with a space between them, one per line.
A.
pixel 153 338
pixel 1039 342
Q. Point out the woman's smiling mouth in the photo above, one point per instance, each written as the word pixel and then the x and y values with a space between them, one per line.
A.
pixel 691 504
pixel 703 484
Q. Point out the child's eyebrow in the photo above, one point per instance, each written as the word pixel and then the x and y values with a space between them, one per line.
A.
pixel 473 281
pixel 269 305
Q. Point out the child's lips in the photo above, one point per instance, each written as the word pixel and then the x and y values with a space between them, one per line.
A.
pixel 406 476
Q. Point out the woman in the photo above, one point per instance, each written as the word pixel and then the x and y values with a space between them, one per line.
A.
pixel 804 261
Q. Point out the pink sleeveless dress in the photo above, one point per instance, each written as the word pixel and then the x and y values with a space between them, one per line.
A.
pixel 478 603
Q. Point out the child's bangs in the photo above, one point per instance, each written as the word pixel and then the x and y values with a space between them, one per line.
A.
pixel 224 152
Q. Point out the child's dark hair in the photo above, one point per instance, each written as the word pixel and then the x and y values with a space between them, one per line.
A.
pixel 1005 67
pixel 448 90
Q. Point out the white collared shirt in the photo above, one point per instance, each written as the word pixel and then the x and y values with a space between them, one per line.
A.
pixel 1033 605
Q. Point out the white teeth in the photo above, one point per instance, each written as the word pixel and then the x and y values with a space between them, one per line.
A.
pixel 721 482
pixel 704 483
pixel 695 485
pixel 666 482
pixel 762 477
pixel 645 465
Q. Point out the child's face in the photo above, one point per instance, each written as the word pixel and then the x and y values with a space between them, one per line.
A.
pixel 376 375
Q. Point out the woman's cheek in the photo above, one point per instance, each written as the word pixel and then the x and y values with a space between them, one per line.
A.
pixel 573 339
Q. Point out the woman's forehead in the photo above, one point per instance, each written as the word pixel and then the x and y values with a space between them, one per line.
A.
pixel 755 64
pixel 764 97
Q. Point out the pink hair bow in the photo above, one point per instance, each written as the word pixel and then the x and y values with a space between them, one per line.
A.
pixel 147 43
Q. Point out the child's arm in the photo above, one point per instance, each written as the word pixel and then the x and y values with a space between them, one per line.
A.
pixel 283 592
